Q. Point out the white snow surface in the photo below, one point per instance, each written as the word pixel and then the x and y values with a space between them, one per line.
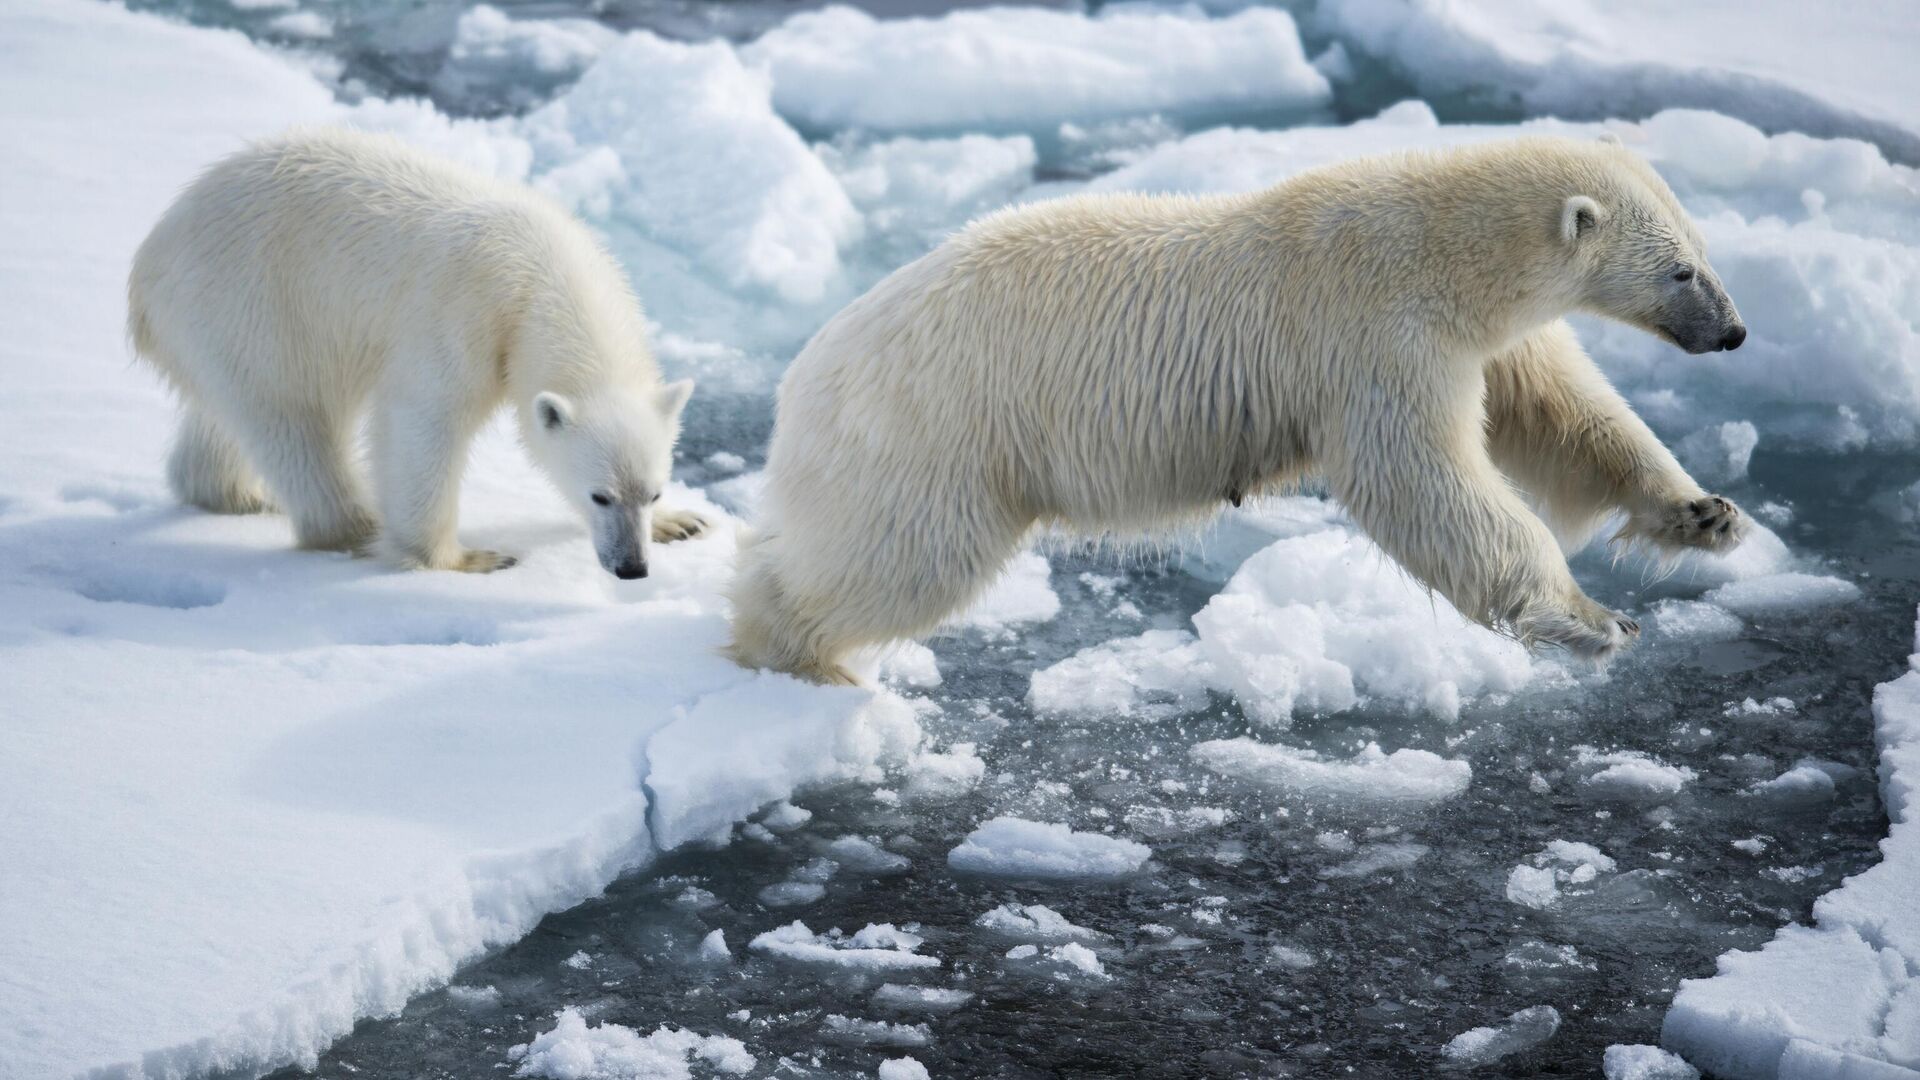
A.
pixel 1840 999
pixel 282 790
pixel 1018 848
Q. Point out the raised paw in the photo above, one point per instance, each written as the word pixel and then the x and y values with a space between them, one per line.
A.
pixel 671 525
pixel 1708 523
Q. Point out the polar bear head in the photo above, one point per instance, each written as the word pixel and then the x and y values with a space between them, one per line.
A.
pixel 610 454
pixel 1639 258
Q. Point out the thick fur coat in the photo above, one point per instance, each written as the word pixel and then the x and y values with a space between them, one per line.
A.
pixel 311 281
pixel 1119 364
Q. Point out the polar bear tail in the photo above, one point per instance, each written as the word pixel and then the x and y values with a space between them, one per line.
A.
pixel 771 631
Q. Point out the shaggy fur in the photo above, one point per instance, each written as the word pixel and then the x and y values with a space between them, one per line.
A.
pixel 1117 364
pixel 308 280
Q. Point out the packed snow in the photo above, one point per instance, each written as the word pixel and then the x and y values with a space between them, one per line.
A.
pixel 1017 848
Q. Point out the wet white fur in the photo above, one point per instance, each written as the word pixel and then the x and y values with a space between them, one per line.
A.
pixel 316 278
pixel 1120 364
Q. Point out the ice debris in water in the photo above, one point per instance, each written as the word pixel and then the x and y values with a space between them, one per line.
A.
pixel 1035 923
pixel 945 775
pixel 713 947
pixel 1560 864
pixel 866 856
pixel 1693 621
pixel 1630 775
pixel 1780 594
pixel 1803 784
pixel 474 997
pixel 1065 960
pixel 1483 1045
pixel 1370 776
pixel 878 947
pixel 1378 858
pixel 791 894
pixel 573 1050
pixel 1015 847
pixel 933 999
pixel 1623 1062
pixel 859 1032
pixel 905 1068
pixel 1290 958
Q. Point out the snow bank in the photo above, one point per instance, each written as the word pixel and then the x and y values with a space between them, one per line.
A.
pixel 1840 999
pixel 1845 71
pixel 1014 68
pixel 285 791
pixel 1370 776
pixel 574 1050
pixel 1321 622
pixel 1014 847
pixel 1818 241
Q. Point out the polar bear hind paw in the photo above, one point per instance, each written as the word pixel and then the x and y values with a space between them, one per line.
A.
pixel 1708 523
pixel 1595 635
pixel 672 525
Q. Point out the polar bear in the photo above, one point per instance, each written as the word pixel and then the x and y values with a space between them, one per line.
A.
pixel 310 279
pixel 1110 365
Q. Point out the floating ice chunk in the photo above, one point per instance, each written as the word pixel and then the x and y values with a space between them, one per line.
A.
pixel 1035 923
pixel 579 961
pixel 1015 847
pixel 725 461
pixel 864 855
pixel 1630 775
pixel 1799 785
pixel 933 999
pixel 783 816
pixel 910 663
pixel 1022 594
pixel 302 25
pixel 1008 68
pixel 1623 1062
pixel 1290 958
pixel 1244 531
pixel 1370 776
pixel 1378 858
pixel 1533 886
pixel 1774 706
pixel 1719 454
pixel 946 775
pixel 496 62
pixel 879 947
pixel 474 997
pixel 708 168
pixel 914 192
pixel 1078 957
pixel 1158 672
pixel 859 1032
pixel 1694 621
pixel 1779 594
pixel 573 1050
pixel 1561 863
pixel 1523 1030
pixel 1529 956
pixel 905 1068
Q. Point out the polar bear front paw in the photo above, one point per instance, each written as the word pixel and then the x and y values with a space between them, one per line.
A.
pixel 478 561
pixel 1708 523
pixel 671 525
pixel 1590 632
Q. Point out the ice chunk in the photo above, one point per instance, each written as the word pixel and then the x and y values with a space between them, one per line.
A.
pixel 579 961
pixel 791 894
pixel 933 999
pixel 1779 594
pixel 1370 776
pixel 1719 454
pixel 910 663
pixel 1161 672
pixel 574 1050
pixel 1694 621
pixel 1290 958
pixel 1022 594
pixel 878 947
pixel 905 1068
pixel 1014 847
pixel 865 855
pixel 474 997
pixel 1078 957
pixel 1799 785
pixel 1378 858
pixel 496 62
pixel 1011 68
pixel 1630 775
pixel 713 947
pixel 1624 1062
pixel 1560 864
pixel 1035 923
pixel 945 775
pixel 1523 1030
pixel 859 1032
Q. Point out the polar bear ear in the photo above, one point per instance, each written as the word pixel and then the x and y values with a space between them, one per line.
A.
pixel 1611 138
pixel 1579 218
pixel 673 398
pixel 552 411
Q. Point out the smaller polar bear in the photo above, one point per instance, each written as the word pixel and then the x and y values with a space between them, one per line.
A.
pixel 1118 364
pixel 310 279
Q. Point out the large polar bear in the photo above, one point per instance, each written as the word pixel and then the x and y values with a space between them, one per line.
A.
pixel 1123 363
pixel 305 279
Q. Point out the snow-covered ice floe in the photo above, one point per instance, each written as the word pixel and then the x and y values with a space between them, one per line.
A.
pixel 573 1049
pixel 1838 1000
pixel 1039 850
pixel 1371 776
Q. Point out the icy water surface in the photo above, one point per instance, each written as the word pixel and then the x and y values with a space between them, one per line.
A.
pixel 1263 945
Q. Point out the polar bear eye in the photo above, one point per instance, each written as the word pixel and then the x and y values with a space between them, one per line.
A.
pixel 600 499
pixel 655 499
pixel 1683 275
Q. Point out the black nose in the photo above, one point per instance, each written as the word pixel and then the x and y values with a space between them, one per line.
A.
pixel 629 571
pixel 1734 337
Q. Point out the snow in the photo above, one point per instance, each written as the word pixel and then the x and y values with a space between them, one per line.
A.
pixel 1839 999
pixel 1404 777
pixel 905 1068
pixel 876 948
pixel 575 1050
pixel 389 774
pixel 1012 68
pixel 1624 1062
pixel 1017 848
pixel 528 59
pixel 1523 1030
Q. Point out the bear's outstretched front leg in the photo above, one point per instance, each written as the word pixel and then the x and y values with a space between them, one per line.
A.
pixel 420 441
pixel 1416 476
pixel 670 525
pixel 1557 427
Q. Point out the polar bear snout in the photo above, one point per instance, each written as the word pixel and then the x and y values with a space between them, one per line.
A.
pixel 628 571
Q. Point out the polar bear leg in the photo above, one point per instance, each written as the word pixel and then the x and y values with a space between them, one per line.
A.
pixel 303 455
pixel 1424 488
pixel 1561 431
pixel 422 427
pixel 207 470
